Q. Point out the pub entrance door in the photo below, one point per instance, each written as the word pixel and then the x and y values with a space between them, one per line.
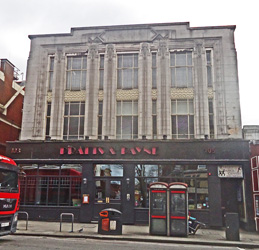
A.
pixel 108 187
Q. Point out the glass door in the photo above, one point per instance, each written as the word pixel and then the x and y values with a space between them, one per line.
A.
pixel 108 187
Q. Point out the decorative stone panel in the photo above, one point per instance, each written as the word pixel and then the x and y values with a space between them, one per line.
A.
pixel 125 95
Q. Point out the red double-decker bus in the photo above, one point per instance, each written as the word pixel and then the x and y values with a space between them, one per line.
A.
pixel 9 195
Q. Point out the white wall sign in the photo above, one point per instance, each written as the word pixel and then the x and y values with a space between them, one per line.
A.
pixel 230 171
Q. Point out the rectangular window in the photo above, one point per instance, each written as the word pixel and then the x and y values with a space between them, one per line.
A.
pixel 127 71
pixel 51 72
pixel 51 185
pixel 101 72
pixel 48 119
pixel 74 120
pixel 181 69
pixel 209 68
pixel 100 119
pixel 154 70
pixel 182 119
pixel 211 118
pixel 76 72
pixel 127 120
pixel 194 175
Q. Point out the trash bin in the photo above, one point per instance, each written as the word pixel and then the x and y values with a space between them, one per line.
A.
pixel 232 226
pixel 110 222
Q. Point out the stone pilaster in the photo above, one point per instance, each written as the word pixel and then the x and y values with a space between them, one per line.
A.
pixel 201 107
pixel 109 89
pixel 163 92
pixel 145 87
pixel 57 103
pixel 92 87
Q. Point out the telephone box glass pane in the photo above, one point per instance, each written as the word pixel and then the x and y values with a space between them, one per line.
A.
pixel 158 206
pixel 158 226
pixel 178 204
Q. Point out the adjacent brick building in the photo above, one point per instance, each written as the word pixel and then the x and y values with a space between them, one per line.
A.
pixel 11 103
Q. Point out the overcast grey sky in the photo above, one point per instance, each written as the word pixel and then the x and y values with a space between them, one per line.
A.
pixel 20 18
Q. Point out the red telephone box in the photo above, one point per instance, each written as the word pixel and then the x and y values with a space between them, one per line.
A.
pixel 178 209
pixel 158 208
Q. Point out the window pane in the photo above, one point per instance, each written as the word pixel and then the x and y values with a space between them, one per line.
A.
pixel 100 190
pixel 154 108
pixel 135 81
pixel 127 61
pixel 83 83
pixel 118 108
pixel 118 127
pixel 68 80
pixel 50 80
pixel 69 59
pixel 182 107
pixel 173 109
pixel 75 84
pixel 119 79
pixel 119 61
pixel 182 124
pixel 84 62
pixel 126 125
pixel 65 126
pixel 74 108
pixel 127 78
pixel 135 126
pixel 115 190
pixel 81 128
pixel 76 63
pixel 173 77
pixel 174 131
pixel 180 59
pixel 135 108
pixel 127 108
pixel 190 77
pixel 107 170
pixel 189 58
pixel 191 109
pixel 172 59
pixel 73 125
pixel 181 77
pixel 82 111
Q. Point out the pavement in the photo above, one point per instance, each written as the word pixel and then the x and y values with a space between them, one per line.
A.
pixel 210 237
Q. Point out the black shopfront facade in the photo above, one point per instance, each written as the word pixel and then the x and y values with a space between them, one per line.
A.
pixel 84 177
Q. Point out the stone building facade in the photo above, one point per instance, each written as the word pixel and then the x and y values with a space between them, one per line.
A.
pixel 179 79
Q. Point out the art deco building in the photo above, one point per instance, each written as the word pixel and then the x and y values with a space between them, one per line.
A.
pixel 111 109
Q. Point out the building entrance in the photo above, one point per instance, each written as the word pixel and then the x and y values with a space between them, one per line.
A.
pixel 108 187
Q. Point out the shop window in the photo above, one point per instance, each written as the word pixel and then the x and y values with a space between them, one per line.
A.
pixel 127 71
pixel 51 185
pixel 193 175
pixel 76 72
pixel 107 170
pixel 181 69
pixel 127 120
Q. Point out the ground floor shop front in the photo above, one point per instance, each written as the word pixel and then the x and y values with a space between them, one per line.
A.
pixel 85 177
